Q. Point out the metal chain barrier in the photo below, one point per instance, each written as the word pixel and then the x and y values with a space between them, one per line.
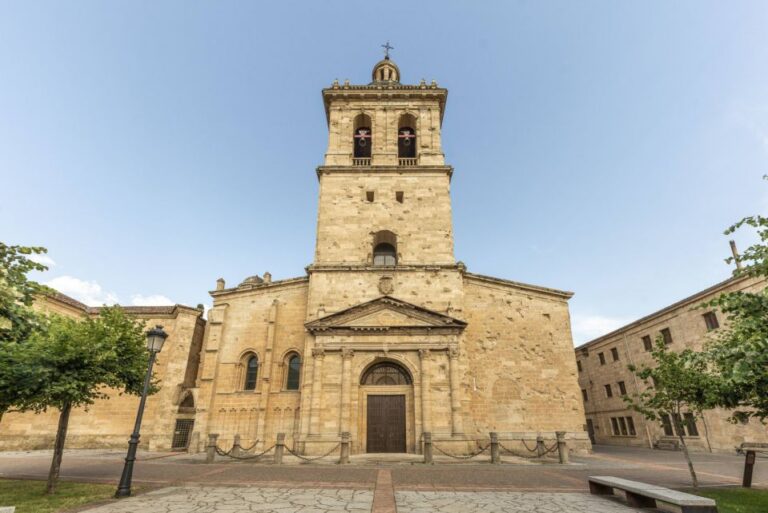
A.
pixel 536 448
pixel 251 447
pixel 551 449
pixel 248 457
pixel 465 457
pixel 301 457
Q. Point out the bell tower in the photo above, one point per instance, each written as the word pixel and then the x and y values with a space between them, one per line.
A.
pixel 384 186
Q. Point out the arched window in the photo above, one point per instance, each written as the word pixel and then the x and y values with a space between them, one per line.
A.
pixel 251 372
pixel 362 137
pixel 406 137
pixel 293 375
pixel 386 373
pixel 385 248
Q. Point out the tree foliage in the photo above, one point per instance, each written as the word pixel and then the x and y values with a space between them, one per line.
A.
pixel 739 352
pixel 17 291
pixel 676 383
pixel 71 363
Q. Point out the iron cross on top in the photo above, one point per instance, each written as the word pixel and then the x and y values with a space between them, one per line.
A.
pixel 387 47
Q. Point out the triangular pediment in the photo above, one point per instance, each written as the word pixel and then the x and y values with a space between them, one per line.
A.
pixel 385 314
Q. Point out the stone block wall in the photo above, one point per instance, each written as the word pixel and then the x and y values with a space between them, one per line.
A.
pixel 688 329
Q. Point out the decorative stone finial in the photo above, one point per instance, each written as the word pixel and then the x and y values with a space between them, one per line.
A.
pixel 267 277
pixel 220 284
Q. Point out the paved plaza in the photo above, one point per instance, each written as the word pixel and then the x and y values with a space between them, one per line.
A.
pixel 182 483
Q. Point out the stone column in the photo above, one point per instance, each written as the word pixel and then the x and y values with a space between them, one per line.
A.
pixel 265 371
pixel 453 366
pixel 424 356
pixel 318 353
pixel 346 381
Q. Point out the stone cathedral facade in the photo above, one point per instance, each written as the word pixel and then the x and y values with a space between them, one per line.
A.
pixel 386 337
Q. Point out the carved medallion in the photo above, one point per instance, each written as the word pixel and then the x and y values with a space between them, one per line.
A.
pixel 386 285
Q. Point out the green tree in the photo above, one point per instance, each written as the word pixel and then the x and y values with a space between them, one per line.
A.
pixel 17 291
pixel 676 383
pixel 73 362
pixel 739 352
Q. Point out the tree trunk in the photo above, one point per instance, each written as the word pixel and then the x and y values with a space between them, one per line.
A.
pixel 679 429
pixel 58 448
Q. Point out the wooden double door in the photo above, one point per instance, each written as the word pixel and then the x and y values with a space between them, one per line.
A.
pixel 386 423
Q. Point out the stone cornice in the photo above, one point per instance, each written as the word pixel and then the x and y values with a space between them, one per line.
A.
pixel 381 170
pixel 259 287
pixel 341 267
pixel 562 294
pixel 381 91
pixel 139 311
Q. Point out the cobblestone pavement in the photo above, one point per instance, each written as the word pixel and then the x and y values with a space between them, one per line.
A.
pixel 506 502
pixel 246 499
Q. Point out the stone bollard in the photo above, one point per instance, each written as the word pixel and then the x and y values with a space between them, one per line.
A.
pixel 210 451
pixel 540 446
pixel 237 449
pixel 562 447
pixel 495 455
pixel 279 448
pixel 427 447
pixel 344 456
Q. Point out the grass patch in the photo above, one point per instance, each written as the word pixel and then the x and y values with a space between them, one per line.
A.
pixel 736 500
pixel 30 497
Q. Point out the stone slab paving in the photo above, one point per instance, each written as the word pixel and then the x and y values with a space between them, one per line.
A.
pixel 507 502
pixel 246 499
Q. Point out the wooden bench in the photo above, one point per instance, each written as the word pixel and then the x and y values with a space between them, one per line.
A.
pixel 668 445
pixel 643 495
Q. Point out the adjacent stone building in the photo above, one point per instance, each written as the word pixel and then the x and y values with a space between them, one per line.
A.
pixel 604 377
pixel 386 336
pixel 108 422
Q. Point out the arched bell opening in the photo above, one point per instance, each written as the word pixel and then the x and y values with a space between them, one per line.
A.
pixel 406 137
pixel 362 137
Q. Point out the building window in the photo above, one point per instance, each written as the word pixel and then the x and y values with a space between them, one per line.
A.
pixel 622 388
pixel 251 372
pixel 615 354
pixel 667 336
pixel 584 395
pixel 647 343
pixel 631 426
pixel 710 318
pixel 294 372
pixel 666 425
pixel 399 196
pixel 608 391
pixel 686 424
pixel 385 248
pixel 623 426
pixel 689 421
pixel 369 195
pixel 601 356
pixel 386 373
pixel 578 365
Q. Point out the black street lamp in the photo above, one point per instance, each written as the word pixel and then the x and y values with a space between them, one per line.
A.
pixel 155 340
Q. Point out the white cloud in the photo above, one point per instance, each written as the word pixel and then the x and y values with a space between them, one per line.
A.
pixel 88 292
pixel 43 259
pixel 588 327
pixel 151 300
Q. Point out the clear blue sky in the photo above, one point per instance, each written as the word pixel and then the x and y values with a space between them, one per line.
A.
pixel 599 147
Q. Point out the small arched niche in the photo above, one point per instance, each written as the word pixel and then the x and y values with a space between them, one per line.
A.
pixel 362 137
pixel 406 137
pixel 384 248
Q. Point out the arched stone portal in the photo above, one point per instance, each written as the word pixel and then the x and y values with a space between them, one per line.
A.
pixel 386 390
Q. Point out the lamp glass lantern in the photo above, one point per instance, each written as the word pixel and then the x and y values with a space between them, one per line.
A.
pixel 156 338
